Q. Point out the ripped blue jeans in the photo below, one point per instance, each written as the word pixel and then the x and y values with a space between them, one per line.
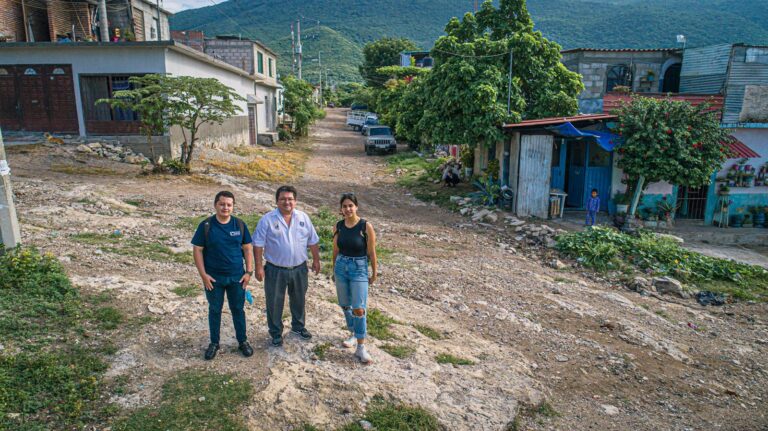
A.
pixel 352 290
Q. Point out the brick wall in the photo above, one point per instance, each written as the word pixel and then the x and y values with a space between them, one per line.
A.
pixel 11 21
pixel 63 16
pixel 193 39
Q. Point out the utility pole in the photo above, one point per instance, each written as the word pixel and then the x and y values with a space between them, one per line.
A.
pixel 509 83
pixel 103 23
pixel 10 234
pixel 293 52
pixel 320 72
pixel 298 44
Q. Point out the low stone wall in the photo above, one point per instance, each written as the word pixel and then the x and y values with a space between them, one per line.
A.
pixel 233 132
pixel 138 144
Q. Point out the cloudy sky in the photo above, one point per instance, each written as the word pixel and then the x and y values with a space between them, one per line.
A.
pixel 180 5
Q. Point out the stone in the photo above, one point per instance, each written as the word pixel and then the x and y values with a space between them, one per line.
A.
pixel 201 399
pixel 639 284
pixel 492 217
pixel 550 243
pixel 480 215
pixel 82 148
pixel 94 145
pixel 557 264
pixel 456 199
pixel 609 409
pixel 561 358
pixel 674 238
pixel 465 211
pixel 669 286
pixel 366 425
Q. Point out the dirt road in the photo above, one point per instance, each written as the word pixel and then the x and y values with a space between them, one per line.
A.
pixel 554 349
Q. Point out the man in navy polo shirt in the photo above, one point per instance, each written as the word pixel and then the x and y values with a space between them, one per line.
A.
pixel 221 243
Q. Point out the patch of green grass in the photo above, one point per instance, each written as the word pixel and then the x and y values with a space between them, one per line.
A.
pixel 134 247
pixel 50 378
pixel 187 291
pixel 82 170
pixel 109 317
pixel 563 280
pixel 418 174
pixel 398 351
pixel 133 202
pixel 545 409
pixel 447 358
pixel 605 249
pixel 194 400
pixel 324 221
pixel 379 325
pixel 101 297
pixel 321 349
pixel 662 313
pixel 332 299
pixel 428 332
pixel 393 415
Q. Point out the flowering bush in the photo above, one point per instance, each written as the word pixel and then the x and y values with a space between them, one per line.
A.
pixel 674 141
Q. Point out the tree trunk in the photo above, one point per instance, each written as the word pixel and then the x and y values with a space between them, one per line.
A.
pixel 190 152
pixel 636 198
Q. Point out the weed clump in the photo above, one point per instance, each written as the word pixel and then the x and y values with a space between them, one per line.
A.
pixel 606 249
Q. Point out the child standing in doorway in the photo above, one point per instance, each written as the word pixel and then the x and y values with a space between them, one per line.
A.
pixel 593 206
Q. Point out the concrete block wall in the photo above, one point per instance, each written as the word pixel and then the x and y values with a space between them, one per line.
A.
pixel 233 132
pixel 237 53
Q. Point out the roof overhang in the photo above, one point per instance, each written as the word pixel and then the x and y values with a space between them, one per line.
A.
pixel 543 123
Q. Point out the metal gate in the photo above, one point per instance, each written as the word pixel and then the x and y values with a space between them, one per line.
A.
pixel 38 98
pixel 533 180
pixel 691 202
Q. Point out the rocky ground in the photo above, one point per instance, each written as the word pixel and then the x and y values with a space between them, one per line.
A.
pixel 552 346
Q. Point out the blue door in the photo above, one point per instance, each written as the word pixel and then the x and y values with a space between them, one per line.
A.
pixel 558 164
pixel 577 167
pixel 598 174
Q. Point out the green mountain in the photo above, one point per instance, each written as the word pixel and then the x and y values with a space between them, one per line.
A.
pixel 340 28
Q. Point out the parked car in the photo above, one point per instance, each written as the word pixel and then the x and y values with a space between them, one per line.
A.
pixel 356 119
pixel 379 139
pixel 359 107
pixel 331 105
pixel 370 120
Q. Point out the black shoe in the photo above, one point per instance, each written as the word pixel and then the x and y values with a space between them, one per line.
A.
pixel 277 341
pixel 303 333
pixel 246 349
pixel 210 352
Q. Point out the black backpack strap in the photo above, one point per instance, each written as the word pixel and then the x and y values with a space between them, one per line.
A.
pixel 207 229
pixel 364 231
pixel 241 226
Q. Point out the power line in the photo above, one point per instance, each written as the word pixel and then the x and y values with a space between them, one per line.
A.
pixel 470 56
pixel 247 33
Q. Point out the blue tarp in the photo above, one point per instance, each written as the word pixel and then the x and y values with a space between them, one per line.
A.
pixel 605 139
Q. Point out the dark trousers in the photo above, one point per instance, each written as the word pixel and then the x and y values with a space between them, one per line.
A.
pixel 276 281
pixel 591 215
pixel 236 299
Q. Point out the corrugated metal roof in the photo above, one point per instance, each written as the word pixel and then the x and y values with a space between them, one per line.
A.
pixel 704 69
pixel 541 122
pixel 741 75
pixel 621 50
pixel 740 150
pixel 613 101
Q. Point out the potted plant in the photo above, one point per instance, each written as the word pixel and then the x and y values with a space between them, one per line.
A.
pixel 758 216
pixel 747 220
pixel 467 157
pixel 622 202
pixel 666 210
pixel 724 190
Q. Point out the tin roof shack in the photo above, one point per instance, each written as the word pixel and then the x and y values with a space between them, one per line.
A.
pixel 416 59
pixel 539 158
pixel 739 73
pixel 78 20
pixel 603 69
pixel 53 87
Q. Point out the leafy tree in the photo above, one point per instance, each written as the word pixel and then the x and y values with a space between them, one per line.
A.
pixel 163 101
pixel 382 52
pixel 299 104
pixel 667 140
pixel 470 92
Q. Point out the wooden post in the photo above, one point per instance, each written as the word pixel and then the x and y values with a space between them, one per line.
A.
pixel 10 234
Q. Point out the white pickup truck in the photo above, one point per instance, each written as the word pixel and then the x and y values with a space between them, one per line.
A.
pixel 357 119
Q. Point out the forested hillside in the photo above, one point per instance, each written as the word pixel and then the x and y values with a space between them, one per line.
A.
pixel 340 28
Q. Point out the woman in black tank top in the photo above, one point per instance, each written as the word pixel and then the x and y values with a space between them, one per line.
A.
pixel 354 245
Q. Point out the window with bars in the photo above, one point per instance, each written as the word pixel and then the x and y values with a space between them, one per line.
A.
pixel 619 75
pixel 260 62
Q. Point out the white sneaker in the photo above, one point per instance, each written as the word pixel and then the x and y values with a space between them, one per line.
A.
pixel 350 342
pixel 363 354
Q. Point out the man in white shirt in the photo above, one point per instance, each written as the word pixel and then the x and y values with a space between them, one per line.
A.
pixel 282 238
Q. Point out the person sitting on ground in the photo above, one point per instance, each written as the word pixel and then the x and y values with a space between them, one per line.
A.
pixel 450 175
pixel 354 245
